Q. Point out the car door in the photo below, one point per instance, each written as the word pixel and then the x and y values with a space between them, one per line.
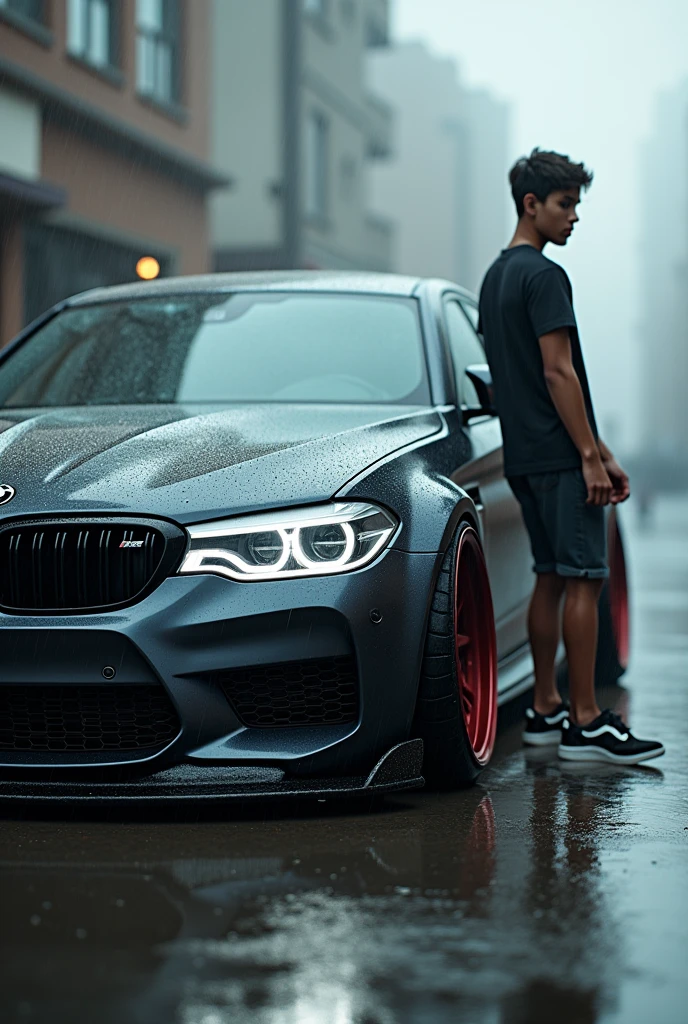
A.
pixel 507 549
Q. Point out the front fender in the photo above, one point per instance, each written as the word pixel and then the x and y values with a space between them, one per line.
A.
pixel 428 503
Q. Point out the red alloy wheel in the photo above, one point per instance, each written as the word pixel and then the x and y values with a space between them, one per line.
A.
pixel 475 647
pixel 618 591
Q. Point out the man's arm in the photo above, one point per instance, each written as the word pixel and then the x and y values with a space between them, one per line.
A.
pixel 604 451
pixel 622 487
pixel 567 395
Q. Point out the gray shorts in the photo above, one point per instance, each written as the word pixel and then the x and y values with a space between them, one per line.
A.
pixel 567 536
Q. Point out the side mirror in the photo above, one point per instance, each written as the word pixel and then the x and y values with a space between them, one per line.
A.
pixel 481 378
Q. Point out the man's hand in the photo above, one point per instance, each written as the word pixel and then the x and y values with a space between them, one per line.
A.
pixel 598 481
pixel 620 482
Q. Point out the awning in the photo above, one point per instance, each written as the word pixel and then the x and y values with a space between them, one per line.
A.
pixel 20 194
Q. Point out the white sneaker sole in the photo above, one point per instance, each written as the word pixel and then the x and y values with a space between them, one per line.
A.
pixel 600 754
pixel 542 739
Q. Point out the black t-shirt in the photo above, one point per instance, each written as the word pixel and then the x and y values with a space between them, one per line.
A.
pixel 525 295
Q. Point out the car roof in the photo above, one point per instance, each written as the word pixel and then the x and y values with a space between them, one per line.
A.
pixel 270 280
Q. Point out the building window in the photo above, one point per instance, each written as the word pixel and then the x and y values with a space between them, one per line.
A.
pixel 158 49
pixel 316 143
pixel 377 32
pixel 32 10
pixel 60 262
pixel 91 26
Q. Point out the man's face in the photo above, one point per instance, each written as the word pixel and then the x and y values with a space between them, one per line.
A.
pixel 555 218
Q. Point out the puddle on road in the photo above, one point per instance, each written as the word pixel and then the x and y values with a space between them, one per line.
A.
pixel 479 906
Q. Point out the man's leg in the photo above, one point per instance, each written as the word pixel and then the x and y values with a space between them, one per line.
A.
pixel 580 639
pixel 610 739
pixel 544 633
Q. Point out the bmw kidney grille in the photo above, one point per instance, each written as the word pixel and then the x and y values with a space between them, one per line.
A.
pixel 65 566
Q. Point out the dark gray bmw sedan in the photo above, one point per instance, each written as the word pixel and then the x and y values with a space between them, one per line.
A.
pixel 255 540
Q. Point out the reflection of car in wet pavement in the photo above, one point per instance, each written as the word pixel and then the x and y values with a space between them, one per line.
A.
pixel 255 539
pixel 435 908
pixel 91 932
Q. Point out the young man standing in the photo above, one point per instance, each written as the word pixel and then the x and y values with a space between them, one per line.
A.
pixel 559 469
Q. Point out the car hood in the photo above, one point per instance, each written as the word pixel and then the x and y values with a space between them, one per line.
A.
pixel 188 463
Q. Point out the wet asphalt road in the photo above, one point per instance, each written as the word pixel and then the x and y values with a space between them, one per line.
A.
pixel 549 893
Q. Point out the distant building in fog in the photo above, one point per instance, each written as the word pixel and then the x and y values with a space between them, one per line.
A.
pixel 294 124
pixel 103 146
pixel 446 186
pixel 663 335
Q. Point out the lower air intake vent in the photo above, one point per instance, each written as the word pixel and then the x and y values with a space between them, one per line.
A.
pixel 321 691
pixel 86 719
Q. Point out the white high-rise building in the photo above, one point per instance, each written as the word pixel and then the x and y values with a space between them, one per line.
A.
pixel 663 328
pixel 446 185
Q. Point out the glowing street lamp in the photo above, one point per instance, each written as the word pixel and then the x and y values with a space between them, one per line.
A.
pixel 148 268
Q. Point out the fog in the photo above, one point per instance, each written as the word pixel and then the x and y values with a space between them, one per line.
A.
pixel 582 79
pixel 305 134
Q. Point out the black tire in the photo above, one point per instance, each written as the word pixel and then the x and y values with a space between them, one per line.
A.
pixel 449 760
pixel 614 630
pixel 608 668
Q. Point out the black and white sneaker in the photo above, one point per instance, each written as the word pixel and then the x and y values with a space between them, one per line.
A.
pixel 544 730
pixel 606 738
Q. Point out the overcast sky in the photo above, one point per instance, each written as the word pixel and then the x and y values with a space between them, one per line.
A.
pixel 582 78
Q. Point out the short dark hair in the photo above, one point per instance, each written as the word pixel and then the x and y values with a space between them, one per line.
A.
pixel 543 173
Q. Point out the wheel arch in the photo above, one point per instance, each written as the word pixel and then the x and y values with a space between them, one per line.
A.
pixel 464 510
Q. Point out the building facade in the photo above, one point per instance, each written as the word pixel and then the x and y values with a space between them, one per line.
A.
pixel 663 249
pixel 104 146
pixel 295 126
pixel 446 187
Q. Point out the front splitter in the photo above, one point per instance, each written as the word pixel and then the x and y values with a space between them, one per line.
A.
pixel 399 769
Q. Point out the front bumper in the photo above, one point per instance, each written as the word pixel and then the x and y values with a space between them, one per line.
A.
pixel 190 630
pixel 399 769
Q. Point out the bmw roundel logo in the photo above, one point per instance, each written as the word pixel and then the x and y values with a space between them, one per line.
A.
pixel 6 493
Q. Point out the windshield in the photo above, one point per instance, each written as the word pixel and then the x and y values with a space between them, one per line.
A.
pixel 216 348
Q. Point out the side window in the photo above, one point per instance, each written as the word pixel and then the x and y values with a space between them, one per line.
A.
pixel 471 312
pixel 465 349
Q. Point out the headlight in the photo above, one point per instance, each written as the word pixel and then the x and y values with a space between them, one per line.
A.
pixel 315 541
